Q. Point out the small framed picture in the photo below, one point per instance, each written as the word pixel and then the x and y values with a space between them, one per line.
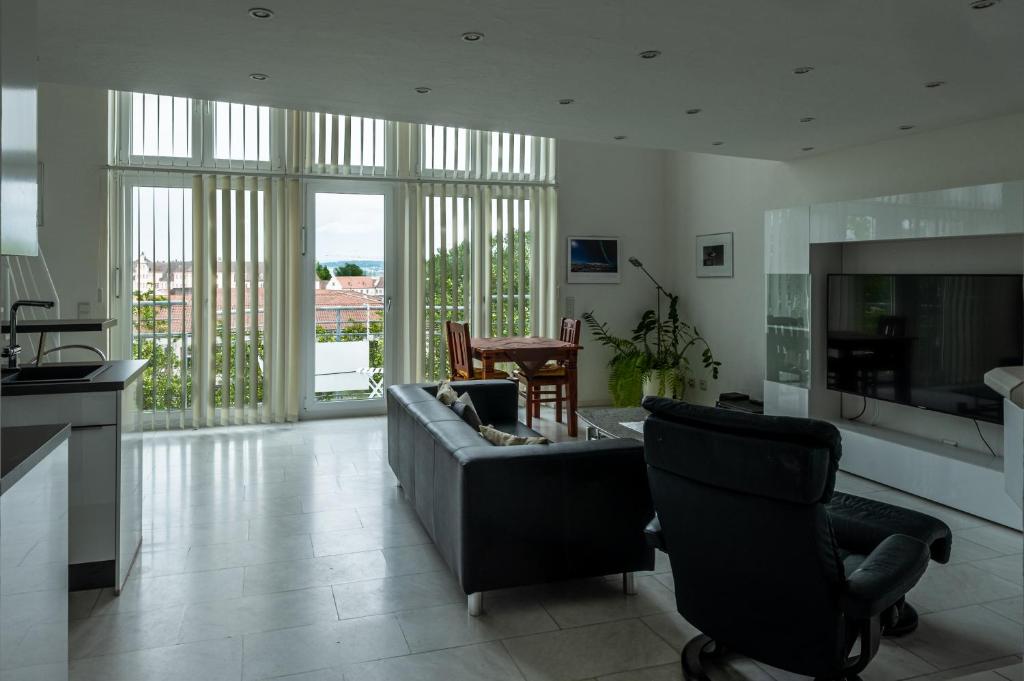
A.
pixel 593 260
pixel 714 255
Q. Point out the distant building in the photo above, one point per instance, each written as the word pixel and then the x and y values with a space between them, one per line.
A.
pixel 373 286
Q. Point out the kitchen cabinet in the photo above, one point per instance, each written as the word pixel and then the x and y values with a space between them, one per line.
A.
pixel 19 202
pixel 105 464
pixel 34 553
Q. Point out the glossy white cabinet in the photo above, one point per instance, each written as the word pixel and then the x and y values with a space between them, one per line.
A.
pixel 34 573
pixel 18 129
pixel 980 210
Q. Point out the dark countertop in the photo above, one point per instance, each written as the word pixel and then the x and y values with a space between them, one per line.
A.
pixel 60 325
pixel 118 374
pixel 22 447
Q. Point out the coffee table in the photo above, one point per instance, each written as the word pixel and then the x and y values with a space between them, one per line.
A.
pixel 606 422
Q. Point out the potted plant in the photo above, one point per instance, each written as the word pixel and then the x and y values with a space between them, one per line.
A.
pixel 655 359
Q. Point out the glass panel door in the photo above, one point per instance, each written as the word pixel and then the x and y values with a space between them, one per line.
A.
pixel 346 228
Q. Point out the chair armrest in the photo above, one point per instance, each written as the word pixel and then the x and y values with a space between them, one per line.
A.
pixel 885 576
pixel 653 534
pixel 861 524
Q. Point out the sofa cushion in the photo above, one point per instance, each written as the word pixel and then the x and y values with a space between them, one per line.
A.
pixel 503 439
pixel 446 393
pixel 466 410
pixel 517 428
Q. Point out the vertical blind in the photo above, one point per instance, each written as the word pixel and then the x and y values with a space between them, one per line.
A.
pixel 475 219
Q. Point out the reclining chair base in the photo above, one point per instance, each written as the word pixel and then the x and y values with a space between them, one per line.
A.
pixel 703 648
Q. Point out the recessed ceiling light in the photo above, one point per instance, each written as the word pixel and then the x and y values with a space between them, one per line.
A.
pixel 261 13
pixel 807 149
pixel 472 36
pixel 650 54
pixel 717 144
pixel 566 101
pixel 807 119
pixel 906 127
pixel 423 90
pixel 983 4
pixel 258 76
pixel 691 112
pixel 619 137
pixel 935 83
pixel 801 70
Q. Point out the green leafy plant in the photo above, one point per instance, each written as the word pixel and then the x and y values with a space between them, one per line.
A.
pixel 657 350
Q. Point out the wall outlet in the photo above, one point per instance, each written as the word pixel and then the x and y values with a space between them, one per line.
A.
pixel 690 383
pixel 570 306
pixel 84 310
pixel 703 384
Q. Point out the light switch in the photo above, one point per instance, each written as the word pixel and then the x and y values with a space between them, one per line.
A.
pixel 570 306
pixel 84 310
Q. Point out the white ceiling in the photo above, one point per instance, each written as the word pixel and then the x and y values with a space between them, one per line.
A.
pixel 731 58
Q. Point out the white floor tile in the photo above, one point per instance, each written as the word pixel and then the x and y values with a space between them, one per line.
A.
pixel 319 646
pixel 589 651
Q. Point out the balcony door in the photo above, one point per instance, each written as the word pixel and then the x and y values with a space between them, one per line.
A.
pixel 348 231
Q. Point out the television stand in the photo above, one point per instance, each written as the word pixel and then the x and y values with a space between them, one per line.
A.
pixel 963 479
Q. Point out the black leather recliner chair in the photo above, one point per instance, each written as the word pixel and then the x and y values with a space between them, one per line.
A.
pixel 762 565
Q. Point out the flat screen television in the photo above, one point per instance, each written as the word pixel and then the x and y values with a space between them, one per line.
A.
pixel 924 340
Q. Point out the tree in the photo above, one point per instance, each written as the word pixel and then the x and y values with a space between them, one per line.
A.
pixel 349 269
pixel 322 272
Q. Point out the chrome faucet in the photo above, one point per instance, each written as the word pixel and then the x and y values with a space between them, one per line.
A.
pixel 13 349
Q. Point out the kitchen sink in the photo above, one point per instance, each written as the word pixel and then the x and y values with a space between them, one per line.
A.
pixel 64 372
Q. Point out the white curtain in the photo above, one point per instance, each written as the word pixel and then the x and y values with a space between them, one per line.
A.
pixel 472 252
pixel 246 307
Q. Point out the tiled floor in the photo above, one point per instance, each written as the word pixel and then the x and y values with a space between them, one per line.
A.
pixel 288 552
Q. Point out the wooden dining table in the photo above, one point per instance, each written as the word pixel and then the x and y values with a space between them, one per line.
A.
pixel 530 354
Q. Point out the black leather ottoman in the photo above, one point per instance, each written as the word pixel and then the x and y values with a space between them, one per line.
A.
pixel 861 524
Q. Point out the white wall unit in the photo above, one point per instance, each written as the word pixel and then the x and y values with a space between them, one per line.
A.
pixel 785 400
pixel 992 216
pixel 1013 451
pixel 787 240
pixel 952 476
pixel 962 211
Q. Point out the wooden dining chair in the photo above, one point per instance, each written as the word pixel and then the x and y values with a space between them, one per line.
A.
pixel 460 354
pixel 550 383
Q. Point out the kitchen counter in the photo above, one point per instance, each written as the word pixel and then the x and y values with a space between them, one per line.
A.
pixel 22 447
pixel 118 374
pixel 60 325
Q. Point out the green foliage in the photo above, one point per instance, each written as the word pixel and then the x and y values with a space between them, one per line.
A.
pixel 349 269
pixel 323 273
pixel 447 270
pixel 145 315
pixel 656 350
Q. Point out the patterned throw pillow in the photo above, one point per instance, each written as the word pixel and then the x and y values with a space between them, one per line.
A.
pixel 446 393
pixel 467 411
pixel 503 439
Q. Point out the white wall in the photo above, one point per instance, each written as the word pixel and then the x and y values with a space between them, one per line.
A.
pixel 73 148
pixel 611 190
pixel 708 194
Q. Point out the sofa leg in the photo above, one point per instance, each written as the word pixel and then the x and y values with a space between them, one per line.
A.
pixel 476 604
pixel 629 583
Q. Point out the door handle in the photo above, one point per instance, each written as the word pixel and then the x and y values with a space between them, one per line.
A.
pixel 387 307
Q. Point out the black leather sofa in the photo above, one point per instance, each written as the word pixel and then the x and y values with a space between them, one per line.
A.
pixel 512 516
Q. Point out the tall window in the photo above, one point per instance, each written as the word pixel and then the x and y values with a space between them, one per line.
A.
pixel 209 230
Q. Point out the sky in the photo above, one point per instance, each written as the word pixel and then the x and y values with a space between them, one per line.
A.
pixel 349 227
